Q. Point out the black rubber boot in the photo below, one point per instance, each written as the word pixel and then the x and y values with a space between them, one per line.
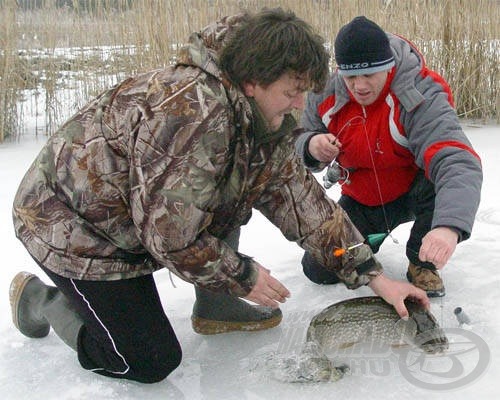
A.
pixel 220 313
pixel 316 272
pixel 36 307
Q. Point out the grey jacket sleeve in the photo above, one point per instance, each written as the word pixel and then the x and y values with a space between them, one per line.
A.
pixel 312 125
pixel 443 151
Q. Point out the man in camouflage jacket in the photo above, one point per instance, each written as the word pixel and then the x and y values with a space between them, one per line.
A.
pixel 160 171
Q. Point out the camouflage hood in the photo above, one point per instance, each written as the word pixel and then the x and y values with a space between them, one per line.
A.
pixel 204 46
pixel 158 170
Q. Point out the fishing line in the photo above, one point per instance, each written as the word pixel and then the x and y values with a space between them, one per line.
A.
pixel 337 172
pixel 377 181
pixel 441 298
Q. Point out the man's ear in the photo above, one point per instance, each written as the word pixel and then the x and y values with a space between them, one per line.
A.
pixel 249 89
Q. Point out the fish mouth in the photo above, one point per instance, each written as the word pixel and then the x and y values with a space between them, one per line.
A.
pixel 434 348
pixel 433 341
pixel 429 335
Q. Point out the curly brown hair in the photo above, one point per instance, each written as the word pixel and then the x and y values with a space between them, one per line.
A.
pixel 273 42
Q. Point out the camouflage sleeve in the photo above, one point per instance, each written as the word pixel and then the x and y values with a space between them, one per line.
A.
pixel 355 267
pixel 299 206
pixel 176 161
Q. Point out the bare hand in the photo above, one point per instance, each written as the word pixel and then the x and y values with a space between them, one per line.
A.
pixel 268 291
pixel 324 147
pixel 395 292
pixel 438 246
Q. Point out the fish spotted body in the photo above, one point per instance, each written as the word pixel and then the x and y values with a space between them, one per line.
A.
pixel 371 318
pixel 361 319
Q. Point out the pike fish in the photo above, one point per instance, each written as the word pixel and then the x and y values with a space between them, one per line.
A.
pixel 371 318
pixel 357 320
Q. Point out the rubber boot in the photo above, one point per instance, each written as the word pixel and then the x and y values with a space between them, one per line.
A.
pixel 215 313
pixel 316 273
pixel 36 307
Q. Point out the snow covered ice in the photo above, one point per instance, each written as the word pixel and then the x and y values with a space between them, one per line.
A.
pixel 228 366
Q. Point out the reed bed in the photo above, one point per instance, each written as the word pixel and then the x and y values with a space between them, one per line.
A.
pixel 55 55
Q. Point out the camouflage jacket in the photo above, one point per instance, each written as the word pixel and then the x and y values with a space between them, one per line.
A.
pixel 156 171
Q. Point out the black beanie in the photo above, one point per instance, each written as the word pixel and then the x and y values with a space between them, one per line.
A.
pixel 362 48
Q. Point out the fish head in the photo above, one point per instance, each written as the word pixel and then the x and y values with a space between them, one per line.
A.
pixel 429 336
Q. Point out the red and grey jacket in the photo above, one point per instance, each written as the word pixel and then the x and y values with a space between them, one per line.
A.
pixel 412 125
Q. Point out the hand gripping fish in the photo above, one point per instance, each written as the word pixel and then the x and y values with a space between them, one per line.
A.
pixel 356 320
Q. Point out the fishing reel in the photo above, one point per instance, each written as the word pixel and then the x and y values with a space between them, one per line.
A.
pixel 334 174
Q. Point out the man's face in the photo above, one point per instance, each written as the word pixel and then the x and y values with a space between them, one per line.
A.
pixel 366 88
pixel 277 99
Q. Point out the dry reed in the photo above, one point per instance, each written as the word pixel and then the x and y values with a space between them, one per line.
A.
pixel 116 38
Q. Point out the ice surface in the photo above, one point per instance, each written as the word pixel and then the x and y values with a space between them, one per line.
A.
pixel 224 366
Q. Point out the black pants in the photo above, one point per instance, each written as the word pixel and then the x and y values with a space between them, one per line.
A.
pixel 415 205
pixel 126 333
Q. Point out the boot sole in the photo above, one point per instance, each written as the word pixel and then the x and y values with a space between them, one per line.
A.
pixel 16 290
pixel 430 292
pixel 212 327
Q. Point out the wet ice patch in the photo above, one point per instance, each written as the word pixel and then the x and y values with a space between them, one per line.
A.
pixel 310 364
